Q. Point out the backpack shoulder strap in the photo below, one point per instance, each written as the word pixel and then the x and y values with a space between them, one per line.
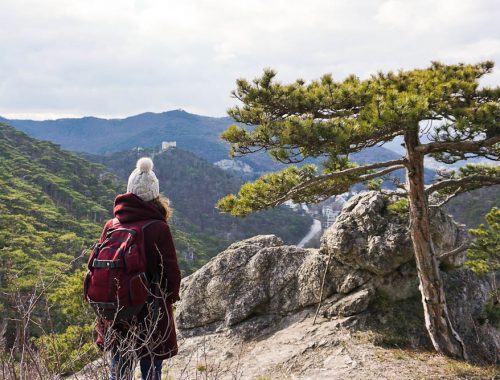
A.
pixel 152 221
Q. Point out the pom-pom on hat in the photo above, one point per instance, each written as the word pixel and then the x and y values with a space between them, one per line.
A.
pixel 142 181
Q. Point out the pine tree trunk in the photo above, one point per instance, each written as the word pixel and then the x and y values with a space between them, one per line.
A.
pixel 444 338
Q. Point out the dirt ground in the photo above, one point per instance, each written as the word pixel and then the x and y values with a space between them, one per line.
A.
pixel 297 349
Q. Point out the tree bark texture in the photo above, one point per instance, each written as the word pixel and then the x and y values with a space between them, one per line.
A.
pixel 443 336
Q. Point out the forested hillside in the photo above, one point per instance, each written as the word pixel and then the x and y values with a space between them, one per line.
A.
pixel 470 208
pixel 194 186
pixel 52 205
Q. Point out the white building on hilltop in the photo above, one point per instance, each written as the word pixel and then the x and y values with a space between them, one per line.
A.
pixel 168 144
pixel 330 215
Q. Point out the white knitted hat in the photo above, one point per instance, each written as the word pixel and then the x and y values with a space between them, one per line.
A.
pixel 142 181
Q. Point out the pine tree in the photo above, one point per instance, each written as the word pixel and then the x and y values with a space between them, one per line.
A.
pixel 334 119
pixel 484 252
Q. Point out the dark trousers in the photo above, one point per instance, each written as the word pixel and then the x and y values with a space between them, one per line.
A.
pixel 122 369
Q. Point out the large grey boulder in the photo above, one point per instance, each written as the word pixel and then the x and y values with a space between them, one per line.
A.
pixel 369 237
pixel 368 248
pixel 466 295
pixel 257 276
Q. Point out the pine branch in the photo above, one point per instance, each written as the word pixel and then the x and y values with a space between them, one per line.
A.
pixel 458 191
pixel 475 180
pixel 393 165
pixel 355 170
pixel 380 173
pixel 347 172
pixel 457 146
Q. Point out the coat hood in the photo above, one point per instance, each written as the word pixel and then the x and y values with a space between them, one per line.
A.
pixel 130 208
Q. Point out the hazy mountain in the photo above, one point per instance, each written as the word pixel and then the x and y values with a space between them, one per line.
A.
pixel 194 133
pixel 470 208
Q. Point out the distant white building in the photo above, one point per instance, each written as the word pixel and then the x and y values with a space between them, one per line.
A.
pixel 330 215
pixel 188 255
pixel 237 166
pixel 168 144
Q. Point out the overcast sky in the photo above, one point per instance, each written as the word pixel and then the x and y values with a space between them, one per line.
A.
pixel 115 58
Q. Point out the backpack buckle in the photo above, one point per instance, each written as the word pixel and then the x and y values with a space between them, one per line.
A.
pixel 111 264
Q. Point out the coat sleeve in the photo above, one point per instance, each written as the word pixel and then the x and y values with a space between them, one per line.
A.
pixel 171 275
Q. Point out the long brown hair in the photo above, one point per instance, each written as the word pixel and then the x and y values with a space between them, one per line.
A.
pixel 162 203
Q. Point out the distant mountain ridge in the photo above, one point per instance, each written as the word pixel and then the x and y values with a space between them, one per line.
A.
pixel 198 134
pixel 194 133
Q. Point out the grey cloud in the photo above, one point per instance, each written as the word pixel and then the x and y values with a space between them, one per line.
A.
pixel 121 57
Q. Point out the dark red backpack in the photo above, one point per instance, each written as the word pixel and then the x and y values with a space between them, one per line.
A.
pixel 116 285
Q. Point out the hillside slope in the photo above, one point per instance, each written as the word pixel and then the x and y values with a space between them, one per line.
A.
pixel 194 186
pixel 52 206
pixel 48 191
pixel 52 202
pixel 470 208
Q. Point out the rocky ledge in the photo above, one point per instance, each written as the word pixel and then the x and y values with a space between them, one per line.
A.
pixel 255 283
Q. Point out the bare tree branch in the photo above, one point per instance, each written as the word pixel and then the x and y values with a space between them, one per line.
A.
pixel 459 249
pixel 367 177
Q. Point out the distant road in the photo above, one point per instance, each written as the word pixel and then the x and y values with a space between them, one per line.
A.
pixel 315 228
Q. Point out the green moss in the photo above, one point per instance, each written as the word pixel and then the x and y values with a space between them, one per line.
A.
pixel 397 323
pixel 492 308
pixel 399 207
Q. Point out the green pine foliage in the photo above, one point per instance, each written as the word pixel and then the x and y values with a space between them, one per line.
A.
pixel 338 119
pixel 484 253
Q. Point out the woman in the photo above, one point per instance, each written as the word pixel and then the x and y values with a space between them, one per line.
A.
pixel 153 336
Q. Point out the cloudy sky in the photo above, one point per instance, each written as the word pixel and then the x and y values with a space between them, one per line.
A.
pixel 114 58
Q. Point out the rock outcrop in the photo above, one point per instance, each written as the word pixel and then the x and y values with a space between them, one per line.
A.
pixel 467 295
pixel 369 237
pixel 256 282
pixel 257 276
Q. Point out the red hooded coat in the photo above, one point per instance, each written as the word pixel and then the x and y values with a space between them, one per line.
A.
pixel 161 256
